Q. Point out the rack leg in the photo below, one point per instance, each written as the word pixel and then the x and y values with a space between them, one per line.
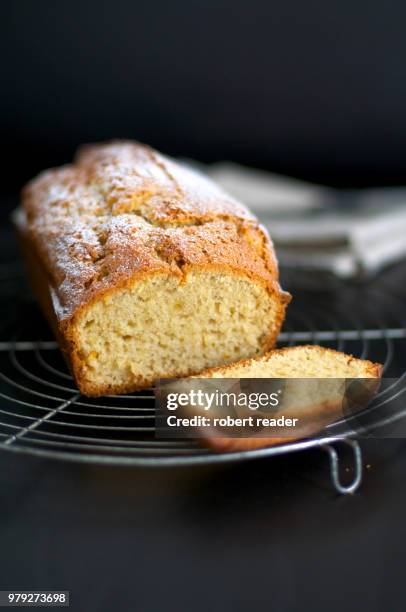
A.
pixel 335 466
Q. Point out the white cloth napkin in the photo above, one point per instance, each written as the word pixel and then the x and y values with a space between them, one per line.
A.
pixel 314 227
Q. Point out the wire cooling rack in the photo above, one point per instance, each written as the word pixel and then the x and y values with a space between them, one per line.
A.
pixel 42 413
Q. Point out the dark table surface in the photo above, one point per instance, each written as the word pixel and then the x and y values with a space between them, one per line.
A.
pixel 267 534
pixel 270 534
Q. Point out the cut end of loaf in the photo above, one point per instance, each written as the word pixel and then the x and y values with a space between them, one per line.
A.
pixel 164 326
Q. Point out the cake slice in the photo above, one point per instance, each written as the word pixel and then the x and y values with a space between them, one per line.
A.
pixel 315 402
pixel 308 361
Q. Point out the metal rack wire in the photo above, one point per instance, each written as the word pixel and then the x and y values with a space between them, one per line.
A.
pixel 42 413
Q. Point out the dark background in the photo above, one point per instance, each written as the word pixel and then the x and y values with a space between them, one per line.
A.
pixel 314 89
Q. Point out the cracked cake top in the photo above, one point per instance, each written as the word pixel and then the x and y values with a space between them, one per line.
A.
pixel 121 211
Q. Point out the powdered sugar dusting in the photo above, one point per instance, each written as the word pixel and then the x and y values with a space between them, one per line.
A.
pixel 122 209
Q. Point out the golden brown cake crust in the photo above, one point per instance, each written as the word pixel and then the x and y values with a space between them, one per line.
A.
pixel 122 212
